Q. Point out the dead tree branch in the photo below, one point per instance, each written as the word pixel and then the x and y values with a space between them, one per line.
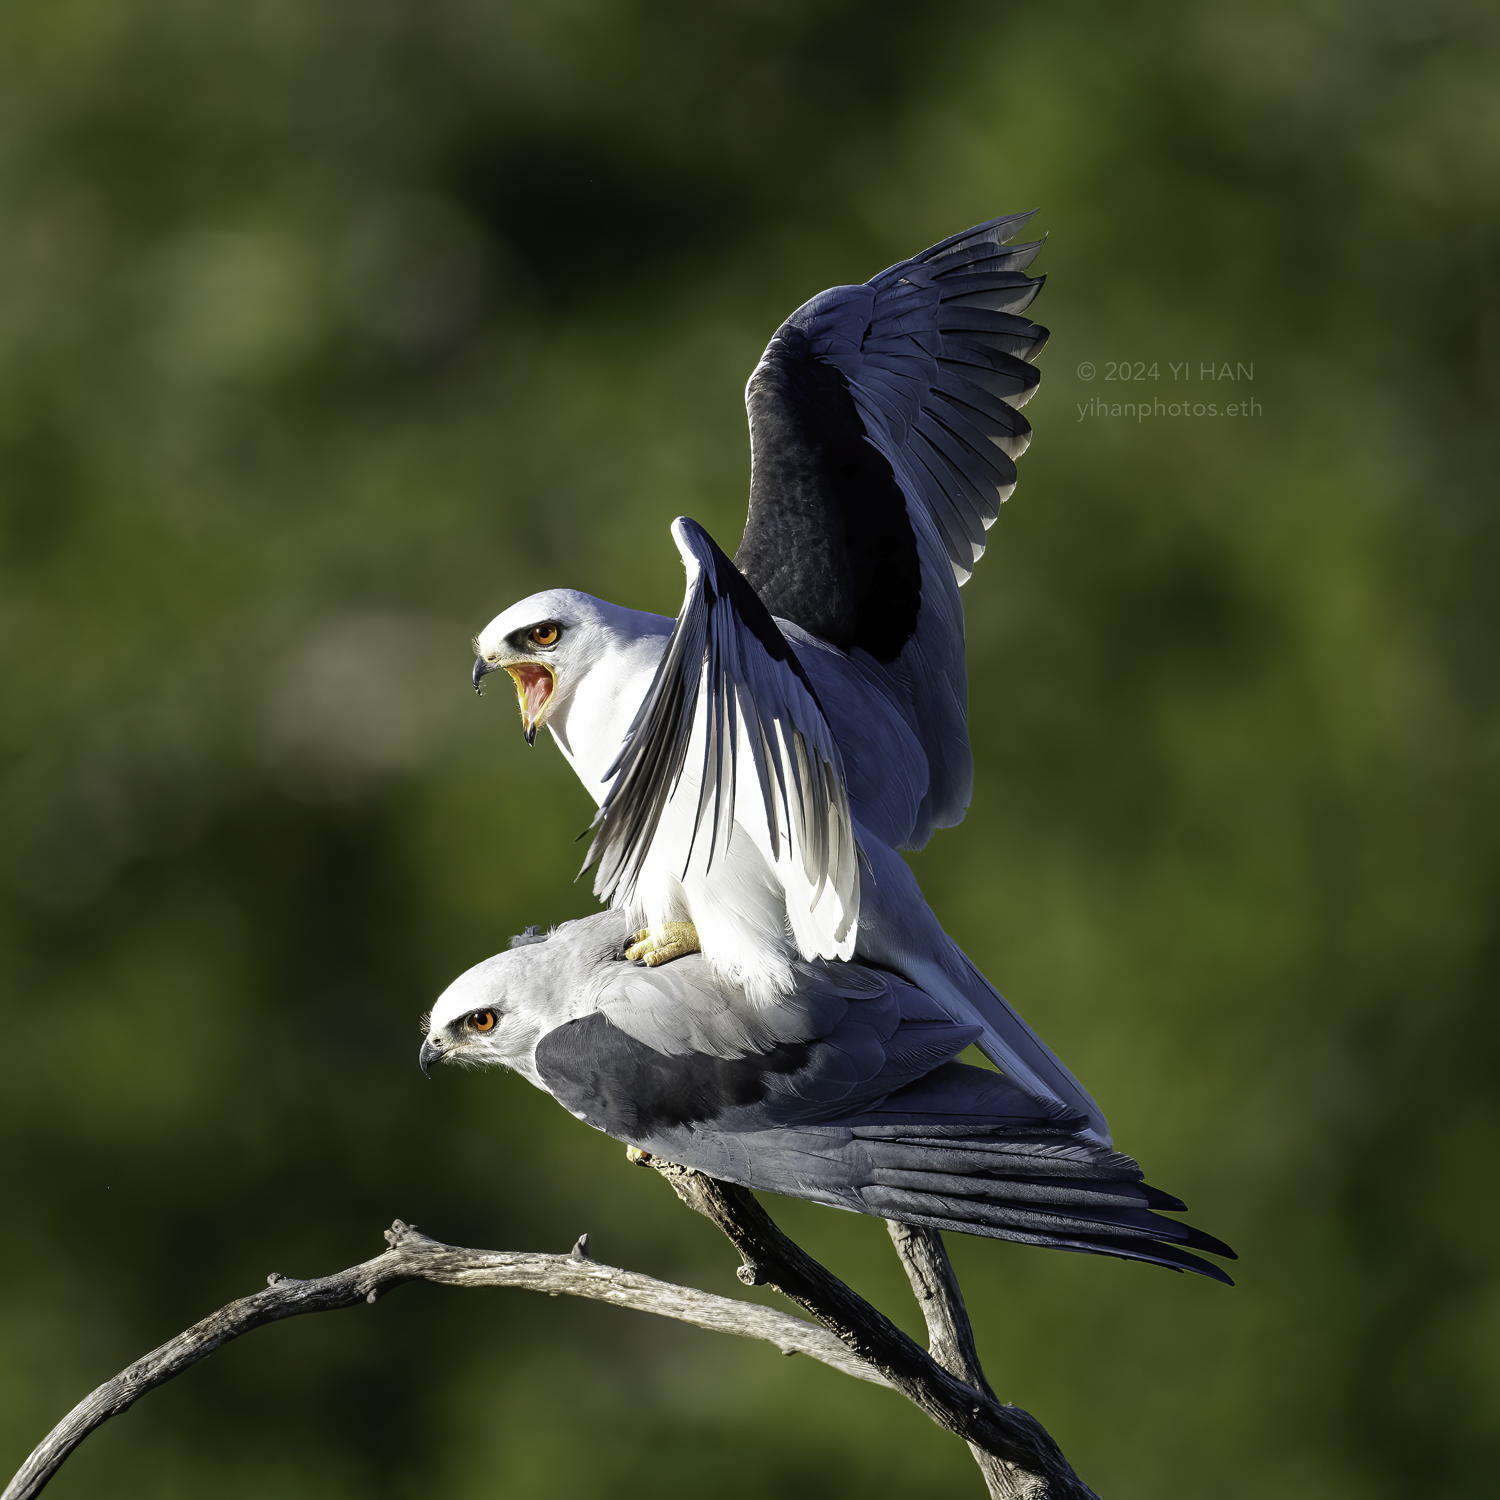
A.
pixel 415 1257
pixel 1018 1459
pixel 950 1341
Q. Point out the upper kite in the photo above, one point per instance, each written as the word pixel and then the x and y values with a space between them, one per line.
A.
pixel 806 712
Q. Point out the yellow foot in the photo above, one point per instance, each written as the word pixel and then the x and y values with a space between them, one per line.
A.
pixel 677 939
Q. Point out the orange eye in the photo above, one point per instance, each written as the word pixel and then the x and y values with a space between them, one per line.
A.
pixel 482 1020
pixel 543 635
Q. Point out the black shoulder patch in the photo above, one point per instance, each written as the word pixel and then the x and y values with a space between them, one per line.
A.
pixel 828 543
pixel 628 1090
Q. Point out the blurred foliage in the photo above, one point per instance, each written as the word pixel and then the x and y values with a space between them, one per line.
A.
pixel 329 329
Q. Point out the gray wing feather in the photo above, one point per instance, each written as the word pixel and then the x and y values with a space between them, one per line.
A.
pixel 840 1044
pixel 871 1114
pixel 885 766
pixel 685 1007
pixel 728 661
pixel 935 358
pixel 846 1095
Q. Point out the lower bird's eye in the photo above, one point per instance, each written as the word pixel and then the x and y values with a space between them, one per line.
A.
pixel 482 1020
pixel 544 635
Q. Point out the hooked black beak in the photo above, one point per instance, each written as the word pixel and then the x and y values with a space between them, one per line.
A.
pixel 530 732
pixel 481 666
pixel 427 1056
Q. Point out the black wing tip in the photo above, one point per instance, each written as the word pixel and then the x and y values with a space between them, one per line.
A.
pixel 1012 224
pixel 1201 1240
pixel 1201 1267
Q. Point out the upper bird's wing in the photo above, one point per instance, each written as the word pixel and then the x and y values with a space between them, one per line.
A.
pixel 730 690
pixel 885 766
pixel 884 426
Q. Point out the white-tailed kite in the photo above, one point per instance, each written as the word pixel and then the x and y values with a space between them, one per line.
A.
pixel 759 761
pixel 845 1091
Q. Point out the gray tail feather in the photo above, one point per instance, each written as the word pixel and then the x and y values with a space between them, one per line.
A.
pixel 1079 1197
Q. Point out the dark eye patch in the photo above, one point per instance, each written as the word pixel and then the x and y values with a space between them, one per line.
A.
pixel 530 637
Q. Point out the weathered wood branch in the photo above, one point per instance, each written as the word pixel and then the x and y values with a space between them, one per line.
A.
pixel 950 1341
pixel 770 1259
pixel 415 1257
pixel 1018 1459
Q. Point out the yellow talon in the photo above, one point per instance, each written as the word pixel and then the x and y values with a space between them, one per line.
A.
pixel 677 939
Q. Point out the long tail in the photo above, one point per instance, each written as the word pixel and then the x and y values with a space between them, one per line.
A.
pixel 1064 1195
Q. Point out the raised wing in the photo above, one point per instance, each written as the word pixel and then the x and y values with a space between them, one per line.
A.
pixel 730 700
pixel 884 429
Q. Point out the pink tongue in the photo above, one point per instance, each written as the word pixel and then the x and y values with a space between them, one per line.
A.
pixel 536 689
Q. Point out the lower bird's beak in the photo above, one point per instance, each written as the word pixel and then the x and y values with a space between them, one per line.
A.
pixel 534 688
pixel 429 1055
pixel 481 666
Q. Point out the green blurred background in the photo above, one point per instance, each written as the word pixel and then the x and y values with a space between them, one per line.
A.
pixel 329 329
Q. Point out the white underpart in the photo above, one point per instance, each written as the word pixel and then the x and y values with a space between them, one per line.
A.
pixel 754 912
pixel 752 903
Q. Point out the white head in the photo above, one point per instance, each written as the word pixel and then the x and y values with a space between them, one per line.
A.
pixel 549 642
pixel 493 1015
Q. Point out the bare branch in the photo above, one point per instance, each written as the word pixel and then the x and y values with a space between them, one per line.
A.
pixel 771 1259
pixel 1017 1457
pixel 950 1337
pixel 950 1341
pixel 415 1257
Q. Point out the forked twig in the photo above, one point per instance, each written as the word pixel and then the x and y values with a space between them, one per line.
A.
pixel 1026 1462
pixel 950 1341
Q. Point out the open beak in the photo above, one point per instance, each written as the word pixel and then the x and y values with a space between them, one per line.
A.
pixel 534 687
pixel 429 1055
